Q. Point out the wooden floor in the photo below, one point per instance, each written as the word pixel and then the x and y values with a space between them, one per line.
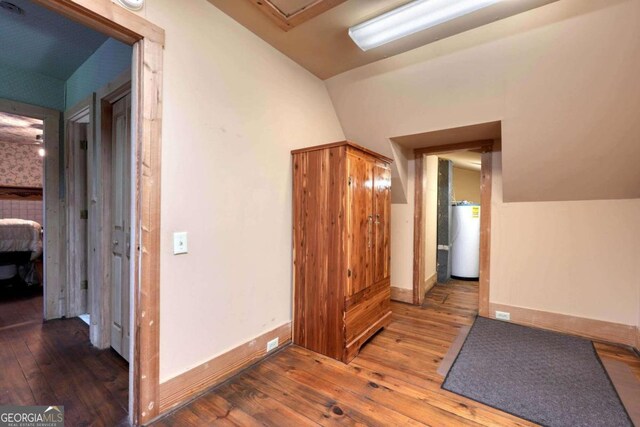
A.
pixel 392 382
pixel 53 363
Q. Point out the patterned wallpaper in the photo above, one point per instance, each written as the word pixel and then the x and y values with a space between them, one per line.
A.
pixel 20 165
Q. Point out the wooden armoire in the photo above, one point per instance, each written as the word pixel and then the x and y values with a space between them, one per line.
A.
pixel 341 247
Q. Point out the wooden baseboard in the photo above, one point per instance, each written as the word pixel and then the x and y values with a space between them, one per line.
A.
pixel 402 295
pixel 598 330
pixel 190 384
pixel 428 284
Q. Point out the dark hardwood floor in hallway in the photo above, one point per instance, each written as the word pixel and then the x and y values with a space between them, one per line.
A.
pixel 53 363
pixel 392 382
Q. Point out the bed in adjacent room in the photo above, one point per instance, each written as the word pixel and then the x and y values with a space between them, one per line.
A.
pixel 20 249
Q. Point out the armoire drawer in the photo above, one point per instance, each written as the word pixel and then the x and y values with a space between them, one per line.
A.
pixel 366 312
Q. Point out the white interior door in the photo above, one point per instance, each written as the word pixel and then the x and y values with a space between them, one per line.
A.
pixel 77 215
pixel 121 225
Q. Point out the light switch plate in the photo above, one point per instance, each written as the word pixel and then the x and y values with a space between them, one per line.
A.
pixel 180 243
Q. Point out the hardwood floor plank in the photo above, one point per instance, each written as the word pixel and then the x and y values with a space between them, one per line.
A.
pixel 260 406
pixel 393 381
pixel 53 363
pixel 40 388
pixel 305 398
pixel 433 396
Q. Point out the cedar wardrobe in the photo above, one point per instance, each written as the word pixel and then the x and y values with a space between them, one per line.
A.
pixel 341 247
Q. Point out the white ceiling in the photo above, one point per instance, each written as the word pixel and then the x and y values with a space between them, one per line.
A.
pixel 18 129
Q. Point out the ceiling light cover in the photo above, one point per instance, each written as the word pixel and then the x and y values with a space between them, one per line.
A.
pixel 415 16
pixel 132 4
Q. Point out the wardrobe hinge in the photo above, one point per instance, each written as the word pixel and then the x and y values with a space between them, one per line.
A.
pixel 84 145
pixel 348 272
pixel 84 284
pixel 84 214
pixel 349 181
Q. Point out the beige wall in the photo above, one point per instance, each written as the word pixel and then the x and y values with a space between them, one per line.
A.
pixel 563 80
pixel 577 258
pixel 466 185
pixel 233 109
pixel 402 236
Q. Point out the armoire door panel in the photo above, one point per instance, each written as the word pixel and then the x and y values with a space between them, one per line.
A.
pixel 359 223
pixel 382 221
pixel 337 304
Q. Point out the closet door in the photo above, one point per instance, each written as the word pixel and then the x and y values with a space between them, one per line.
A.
pixel 121 226
pixel 359 222
pixel 382 221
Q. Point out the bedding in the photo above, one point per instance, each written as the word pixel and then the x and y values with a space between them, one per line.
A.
pixel 20 246
pixel 20 235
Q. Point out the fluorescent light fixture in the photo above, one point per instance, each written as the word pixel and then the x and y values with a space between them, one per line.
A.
pixel 415 16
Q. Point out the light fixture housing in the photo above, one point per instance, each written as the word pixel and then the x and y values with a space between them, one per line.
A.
pixel 132 4
pixel 411 18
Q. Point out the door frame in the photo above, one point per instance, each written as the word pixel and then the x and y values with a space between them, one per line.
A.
pixel 147 40
pixel 71 117
pixel 53 244
pixel 486 148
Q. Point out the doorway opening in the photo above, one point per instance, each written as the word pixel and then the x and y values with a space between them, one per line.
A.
pixel 445 216
pixel 67 250
pixel 456 212
pixel 21 217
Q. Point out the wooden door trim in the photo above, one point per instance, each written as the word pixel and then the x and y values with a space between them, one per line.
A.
pixel 148 41
pixel 418 230
pixel 485 232
pixel 54 293
pixel 486 148
pixel 107 17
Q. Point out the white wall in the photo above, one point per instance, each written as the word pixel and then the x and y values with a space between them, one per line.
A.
pixel 234 107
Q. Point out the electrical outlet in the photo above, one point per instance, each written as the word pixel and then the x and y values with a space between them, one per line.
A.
pixel 503 315
pixel 272 345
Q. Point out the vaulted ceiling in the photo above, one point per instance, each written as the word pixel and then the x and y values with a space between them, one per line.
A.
pixel 38 40
pixel 314 33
